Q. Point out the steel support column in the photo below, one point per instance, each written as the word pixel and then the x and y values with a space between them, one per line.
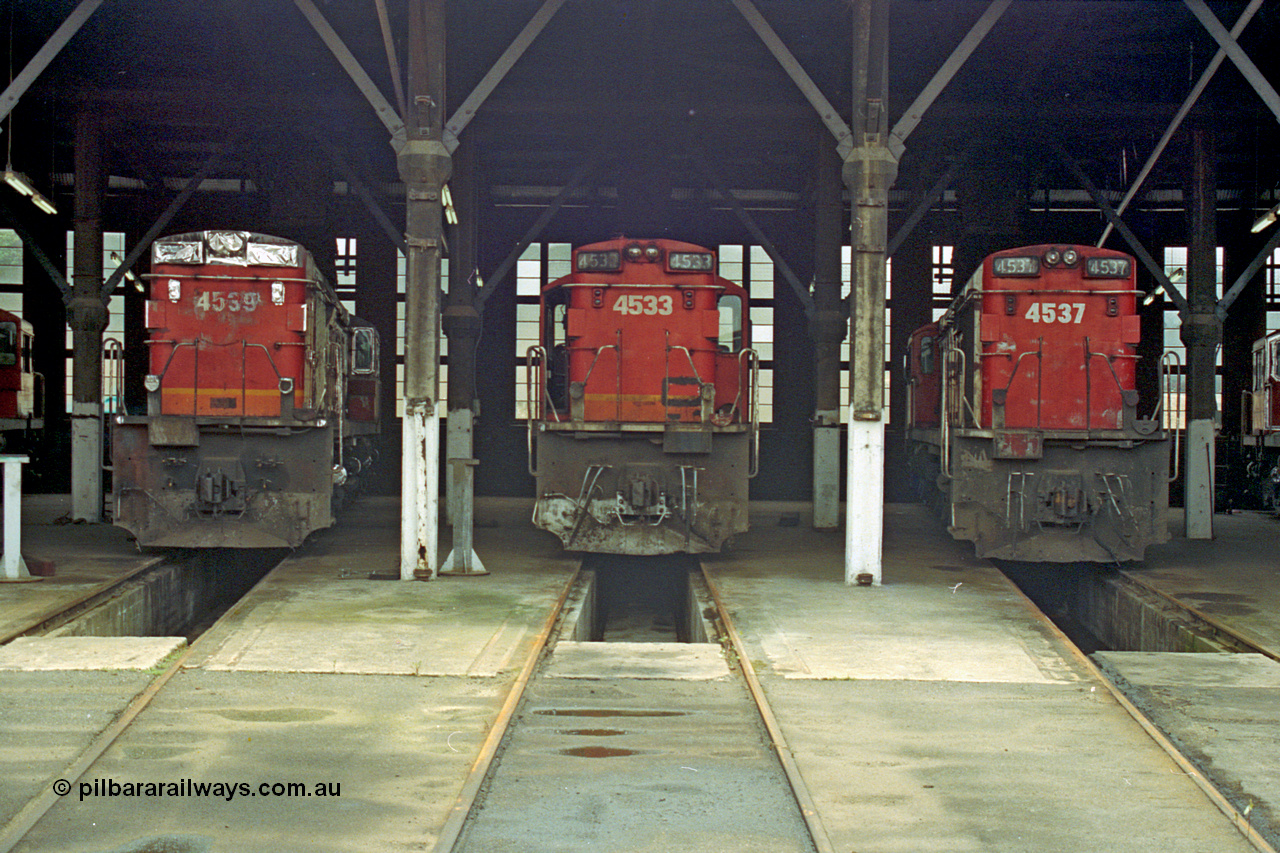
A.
pixel 869 171
pixel 828 324
pixel 462 325
pixel 424 165
pixel 1202 334
pixel 87 316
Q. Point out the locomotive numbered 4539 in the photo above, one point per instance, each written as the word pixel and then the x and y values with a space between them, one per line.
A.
pixel 1023 410
pixel 262 398
pixel 643 425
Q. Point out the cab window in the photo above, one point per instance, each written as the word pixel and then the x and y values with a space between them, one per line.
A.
pixel 730 307
pixel 364 350
pixel 8 344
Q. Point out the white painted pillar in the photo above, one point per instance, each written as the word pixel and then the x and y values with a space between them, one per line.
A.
pixel 86 461
pixel 864 510
pixel 14 567
pixel 1198 479
pixel 420 499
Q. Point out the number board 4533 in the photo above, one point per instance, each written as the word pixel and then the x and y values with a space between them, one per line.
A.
pixel 637 304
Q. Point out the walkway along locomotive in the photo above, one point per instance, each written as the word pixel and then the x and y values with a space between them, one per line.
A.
pixel 643 426
pixel 262 398
pixel 1023 410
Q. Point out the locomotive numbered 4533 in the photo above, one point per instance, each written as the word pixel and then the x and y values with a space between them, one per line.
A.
pixel 262 398
pixel 1023 410
pixel 643 426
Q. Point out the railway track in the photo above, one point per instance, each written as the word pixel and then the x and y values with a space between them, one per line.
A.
pixel 120 593
pixel 1212 636
pixel 625 745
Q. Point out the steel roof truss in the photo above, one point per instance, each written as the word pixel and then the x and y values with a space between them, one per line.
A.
pixel 1187 104
pixel 1250 71
pixel 62 35
pixel 465 113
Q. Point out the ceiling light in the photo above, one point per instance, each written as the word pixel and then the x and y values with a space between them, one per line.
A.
pixel 43 203
pixel 1266 219
pixel 18 181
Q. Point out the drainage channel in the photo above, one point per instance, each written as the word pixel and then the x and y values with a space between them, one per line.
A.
pixel 179 595
pixel 633 730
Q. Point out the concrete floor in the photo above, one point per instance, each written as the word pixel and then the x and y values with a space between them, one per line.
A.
pixel 932 713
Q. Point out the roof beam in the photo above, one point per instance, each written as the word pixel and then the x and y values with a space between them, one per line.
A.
pixel 463 115
pixel 779 263
pixel 381 106
pixel 1187 104
pixel 32 245
pixel 579 175
pixel 162 222
pixel 826 112
pixel 1157 271
pixel 1228 43
pixel 926 202
pixel 39 62
pixel 914 113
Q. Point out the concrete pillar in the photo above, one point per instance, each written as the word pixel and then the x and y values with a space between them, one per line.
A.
pixel 462 325
pixel 1201 333
pixel 869 171
pixel 87 316
pixel 828 325
pixel 425 165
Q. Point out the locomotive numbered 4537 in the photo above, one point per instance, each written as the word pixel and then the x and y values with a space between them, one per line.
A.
pixel 262 398
pixel 1023 410
pixel 643 426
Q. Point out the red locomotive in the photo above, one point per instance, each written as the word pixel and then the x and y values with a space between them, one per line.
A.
pixel 643 426
pixel 1262 433
pixel 1023 409
pixel 262 398
pixel 21 388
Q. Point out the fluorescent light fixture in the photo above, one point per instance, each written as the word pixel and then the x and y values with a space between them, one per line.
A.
pixel 43 203
pixel 1263 221
pixel 18 181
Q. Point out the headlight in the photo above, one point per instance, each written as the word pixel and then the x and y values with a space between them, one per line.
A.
pixel 175 290
pixel 699 261
pixel 151 383
pixel 1070 257
pixel 1016 265
pixel 1052 257
pixel 609 261
pixel 277 293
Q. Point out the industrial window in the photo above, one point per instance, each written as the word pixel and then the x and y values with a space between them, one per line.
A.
pixel 846 348
pixel 538 264
pixel 1272 294
pixel 1175 267
pixel 944 274
pixel 10 271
